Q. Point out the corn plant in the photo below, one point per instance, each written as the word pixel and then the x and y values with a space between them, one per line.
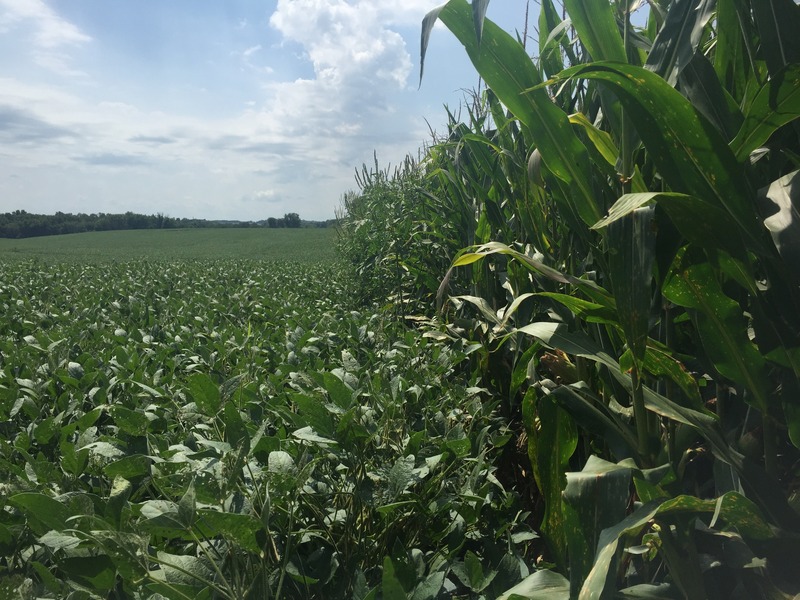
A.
pixel 664 324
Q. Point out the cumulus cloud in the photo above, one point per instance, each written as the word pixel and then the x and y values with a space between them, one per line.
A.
pixel 345 41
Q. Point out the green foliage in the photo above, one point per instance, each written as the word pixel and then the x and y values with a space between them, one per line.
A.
pixel 665 333
pixel 396 235
pixel 233 429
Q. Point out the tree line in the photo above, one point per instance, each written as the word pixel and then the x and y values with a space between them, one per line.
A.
pixel 22 224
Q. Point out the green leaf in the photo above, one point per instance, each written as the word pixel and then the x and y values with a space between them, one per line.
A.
pixel 117 498
pixel 588 311
pixel 390 584
pixel 597 29
pixel 601 139
pixel 550 446
pixel 430 588
pixel 340 394
pixel 130 467
pixel 281 462
pixel 59 541
pixel 676 43
pixel 312 412
pixel 698 220
pixel 602 573
pixel 51 582
pixel 630 261
pixel 474 572
pixel 689 153
pixel 733 508
pixel 541 585
pixel 400 476
pixel 776 104
pixel 594 416
pixel 551 33
pixel 478 16
pixel 44 513
pixel 778 22
pixel 661 362
pixel 721 325
pixel 187 506
pixel 595 498
pixel 94 572
pixel 505 66
pixel 307 434
pixel 162 516
pixel 205 393
pixel 129 421
pixel 185 570
pixel 238 528
pixel 235 430
pixel 731 61
pixel 557 335
pixel 699 83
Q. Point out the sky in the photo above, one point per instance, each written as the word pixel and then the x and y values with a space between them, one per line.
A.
pixel 217 109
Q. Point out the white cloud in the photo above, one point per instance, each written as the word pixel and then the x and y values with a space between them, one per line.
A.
pixel 293 149
pixel 51 30
pixel 51 33
pixel 252 50
pixel 345 40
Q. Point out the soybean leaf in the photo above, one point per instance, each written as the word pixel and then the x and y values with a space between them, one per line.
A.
pixel 205 393
pixel 238 528
pixel 94 572
pixel 390 584
pixel 44 513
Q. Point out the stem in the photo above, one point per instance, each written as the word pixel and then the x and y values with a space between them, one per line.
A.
pixel 286 551
pixel 672 426
pixel 626 174
pixel 224 582
pixel 770 445
pixel 640 414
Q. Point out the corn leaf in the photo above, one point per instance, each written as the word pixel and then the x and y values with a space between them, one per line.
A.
pixel 690 154
pixel 775 104
pixel 677 42
pixel 597 29
pixel 503 63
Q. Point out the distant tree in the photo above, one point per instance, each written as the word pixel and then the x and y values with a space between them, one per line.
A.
pixel 272 222
pixel 292 220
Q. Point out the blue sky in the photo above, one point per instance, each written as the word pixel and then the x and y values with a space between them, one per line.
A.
pixel 219 109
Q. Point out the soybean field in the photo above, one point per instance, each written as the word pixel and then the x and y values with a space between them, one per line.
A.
pixel 181 426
